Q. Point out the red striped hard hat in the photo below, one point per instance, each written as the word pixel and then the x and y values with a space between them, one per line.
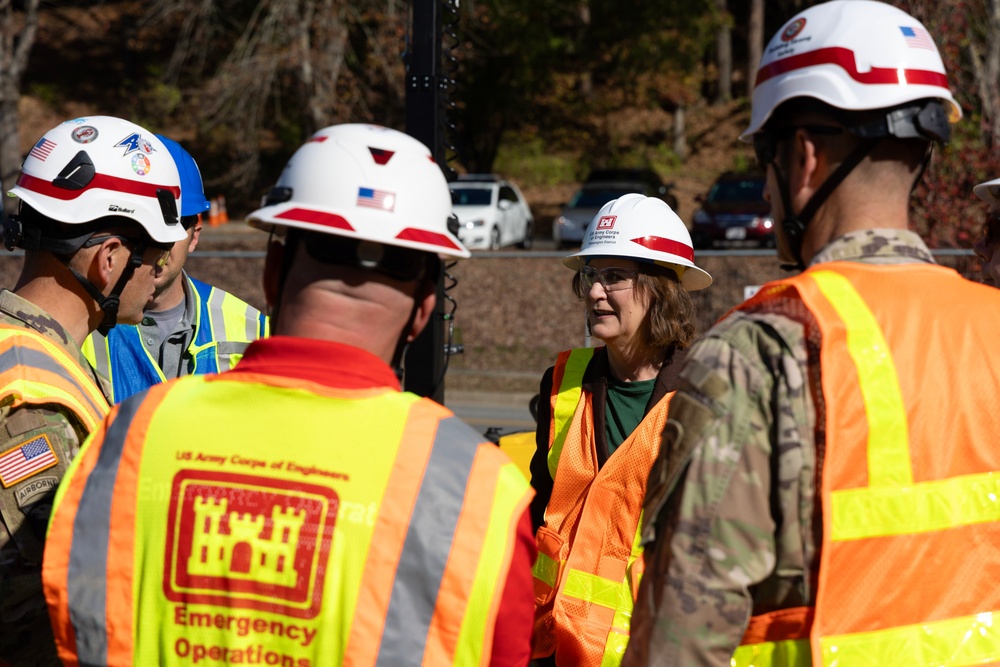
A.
pixel 643 229
pixel 855 55
pixel 368 183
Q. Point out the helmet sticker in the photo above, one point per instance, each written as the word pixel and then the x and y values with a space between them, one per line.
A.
pixel 794 28
pixel 133 143
pixel 380 155
pixel 115 208
pixel 84 134
pixel 661 244
pixel 317 140
pixel 140 164
pixel 380 199
pixel 607 222
pixel 42 149
pixel 917 38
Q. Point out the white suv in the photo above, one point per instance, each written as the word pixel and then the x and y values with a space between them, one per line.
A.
pixel 491 211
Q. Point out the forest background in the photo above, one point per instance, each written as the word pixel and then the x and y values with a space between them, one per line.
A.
pixel 543 90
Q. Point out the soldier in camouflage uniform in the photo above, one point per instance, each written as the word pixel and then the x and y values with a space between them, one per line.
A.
pixel 734 525
pixel 93 230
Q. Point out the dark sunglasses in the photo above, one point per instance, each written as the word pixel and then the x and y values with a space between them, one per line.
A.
pixel 765 142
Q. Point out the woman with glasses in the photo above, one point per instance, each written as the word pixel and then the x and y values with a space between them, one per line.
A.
pixel 600 420
pixel 987 248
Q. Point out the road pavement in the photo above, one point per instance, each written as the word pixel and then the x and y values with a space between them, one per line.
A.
pixel 506 411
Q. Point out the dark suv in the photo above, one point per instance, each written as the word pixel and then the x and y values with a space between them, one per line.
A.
pixel 734 214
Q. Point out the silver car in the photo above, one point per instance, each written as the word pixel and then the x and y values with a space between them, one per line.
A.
pixel 568 229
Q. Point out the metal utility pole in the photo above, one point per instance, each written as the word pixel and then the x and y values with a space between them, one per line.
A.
pixel 424 121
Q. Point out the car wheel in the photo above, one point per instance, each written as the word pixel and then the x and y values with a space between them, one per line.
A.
pixel 528 240
pixel 495 239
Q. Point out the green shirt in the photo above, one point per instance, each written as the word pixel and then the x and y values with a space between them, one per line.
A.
pixel 624 409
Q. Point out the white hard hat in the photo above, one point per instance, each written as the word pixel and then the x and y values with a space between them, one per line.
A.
pixel 98 166
pixel 851 54
pixel 643 229
pixel 989 192
pixel 364 182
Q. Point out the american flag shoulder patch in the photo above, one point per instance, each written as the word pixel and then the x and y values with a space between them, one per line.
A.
pixel 27 459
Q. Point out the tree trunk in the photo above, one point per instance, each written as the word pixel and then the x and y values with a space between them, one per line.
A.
pixel 10 149
pixel 680 136
pixel 17 35
pixel 586 82
pixel 724 54
pixel 993 72
pixel 986 70
pixel 755 42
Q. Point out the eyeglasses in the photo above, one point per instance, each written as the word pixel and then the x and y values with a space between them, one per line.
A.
pixel 164 256
pixel 139 247
pixel 612 278
pixel 765 142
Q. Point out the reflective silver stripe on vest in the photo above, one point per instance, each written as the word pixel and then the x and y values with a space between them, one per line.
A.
pixel 86 585
pixel 216 314
pixel 428 544
pixel 22 356
pixel 102 356
pixel 253 323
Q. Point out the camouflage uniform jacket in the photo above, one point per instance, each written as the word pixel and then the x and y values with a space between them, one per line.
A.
pixel 25 634
pixel 733 523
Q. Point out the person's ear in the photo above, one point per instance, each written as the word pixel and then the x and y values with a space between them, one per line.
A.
pixel 194 235
pixel 810 161
pixel 272 272
pixel 106 263
pixel 426 298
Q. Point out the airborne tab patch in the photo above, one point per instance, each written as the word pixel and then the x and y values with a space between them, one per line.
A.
pixel 27 459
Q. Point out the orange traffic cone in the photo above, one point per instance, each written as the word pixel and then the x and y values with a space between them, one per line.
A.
pixel 213 213
pixel 223 215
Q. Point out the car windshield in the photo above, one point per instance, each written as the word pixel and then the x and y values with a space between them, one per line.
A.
pixel 748 189
pixel 596 197
pixel 471 196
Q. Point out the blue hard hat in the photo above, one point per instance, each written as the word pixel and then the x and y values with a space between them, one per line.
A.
pixel 193 199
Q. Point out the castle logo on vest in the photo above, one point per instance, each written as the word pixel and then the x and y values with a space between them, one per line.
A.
pixel 248 541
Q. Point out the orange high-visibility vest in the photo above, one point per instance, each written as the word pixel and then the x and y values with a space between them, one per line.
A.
pixel 35 370
pixel 589 557
pixel 911 473
pixel 245 518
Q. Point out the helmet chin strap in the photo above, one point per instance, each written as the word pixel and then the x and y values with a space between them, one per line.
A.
pixel 795 224
pixel 109 304
pixel 402 344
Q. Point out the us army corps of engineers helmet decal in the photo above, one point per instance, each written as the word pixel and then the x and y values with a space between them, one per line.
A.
pixel 249 542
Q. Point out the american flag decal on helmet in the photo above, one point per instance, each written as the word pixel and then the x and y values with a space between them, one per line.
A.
pixel 916 37
pixel 380 199
pixel 42 149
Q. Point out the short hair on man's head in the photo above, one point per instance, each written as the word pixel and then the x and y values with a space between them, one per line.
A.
pixel 671 310
pixel 790 111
